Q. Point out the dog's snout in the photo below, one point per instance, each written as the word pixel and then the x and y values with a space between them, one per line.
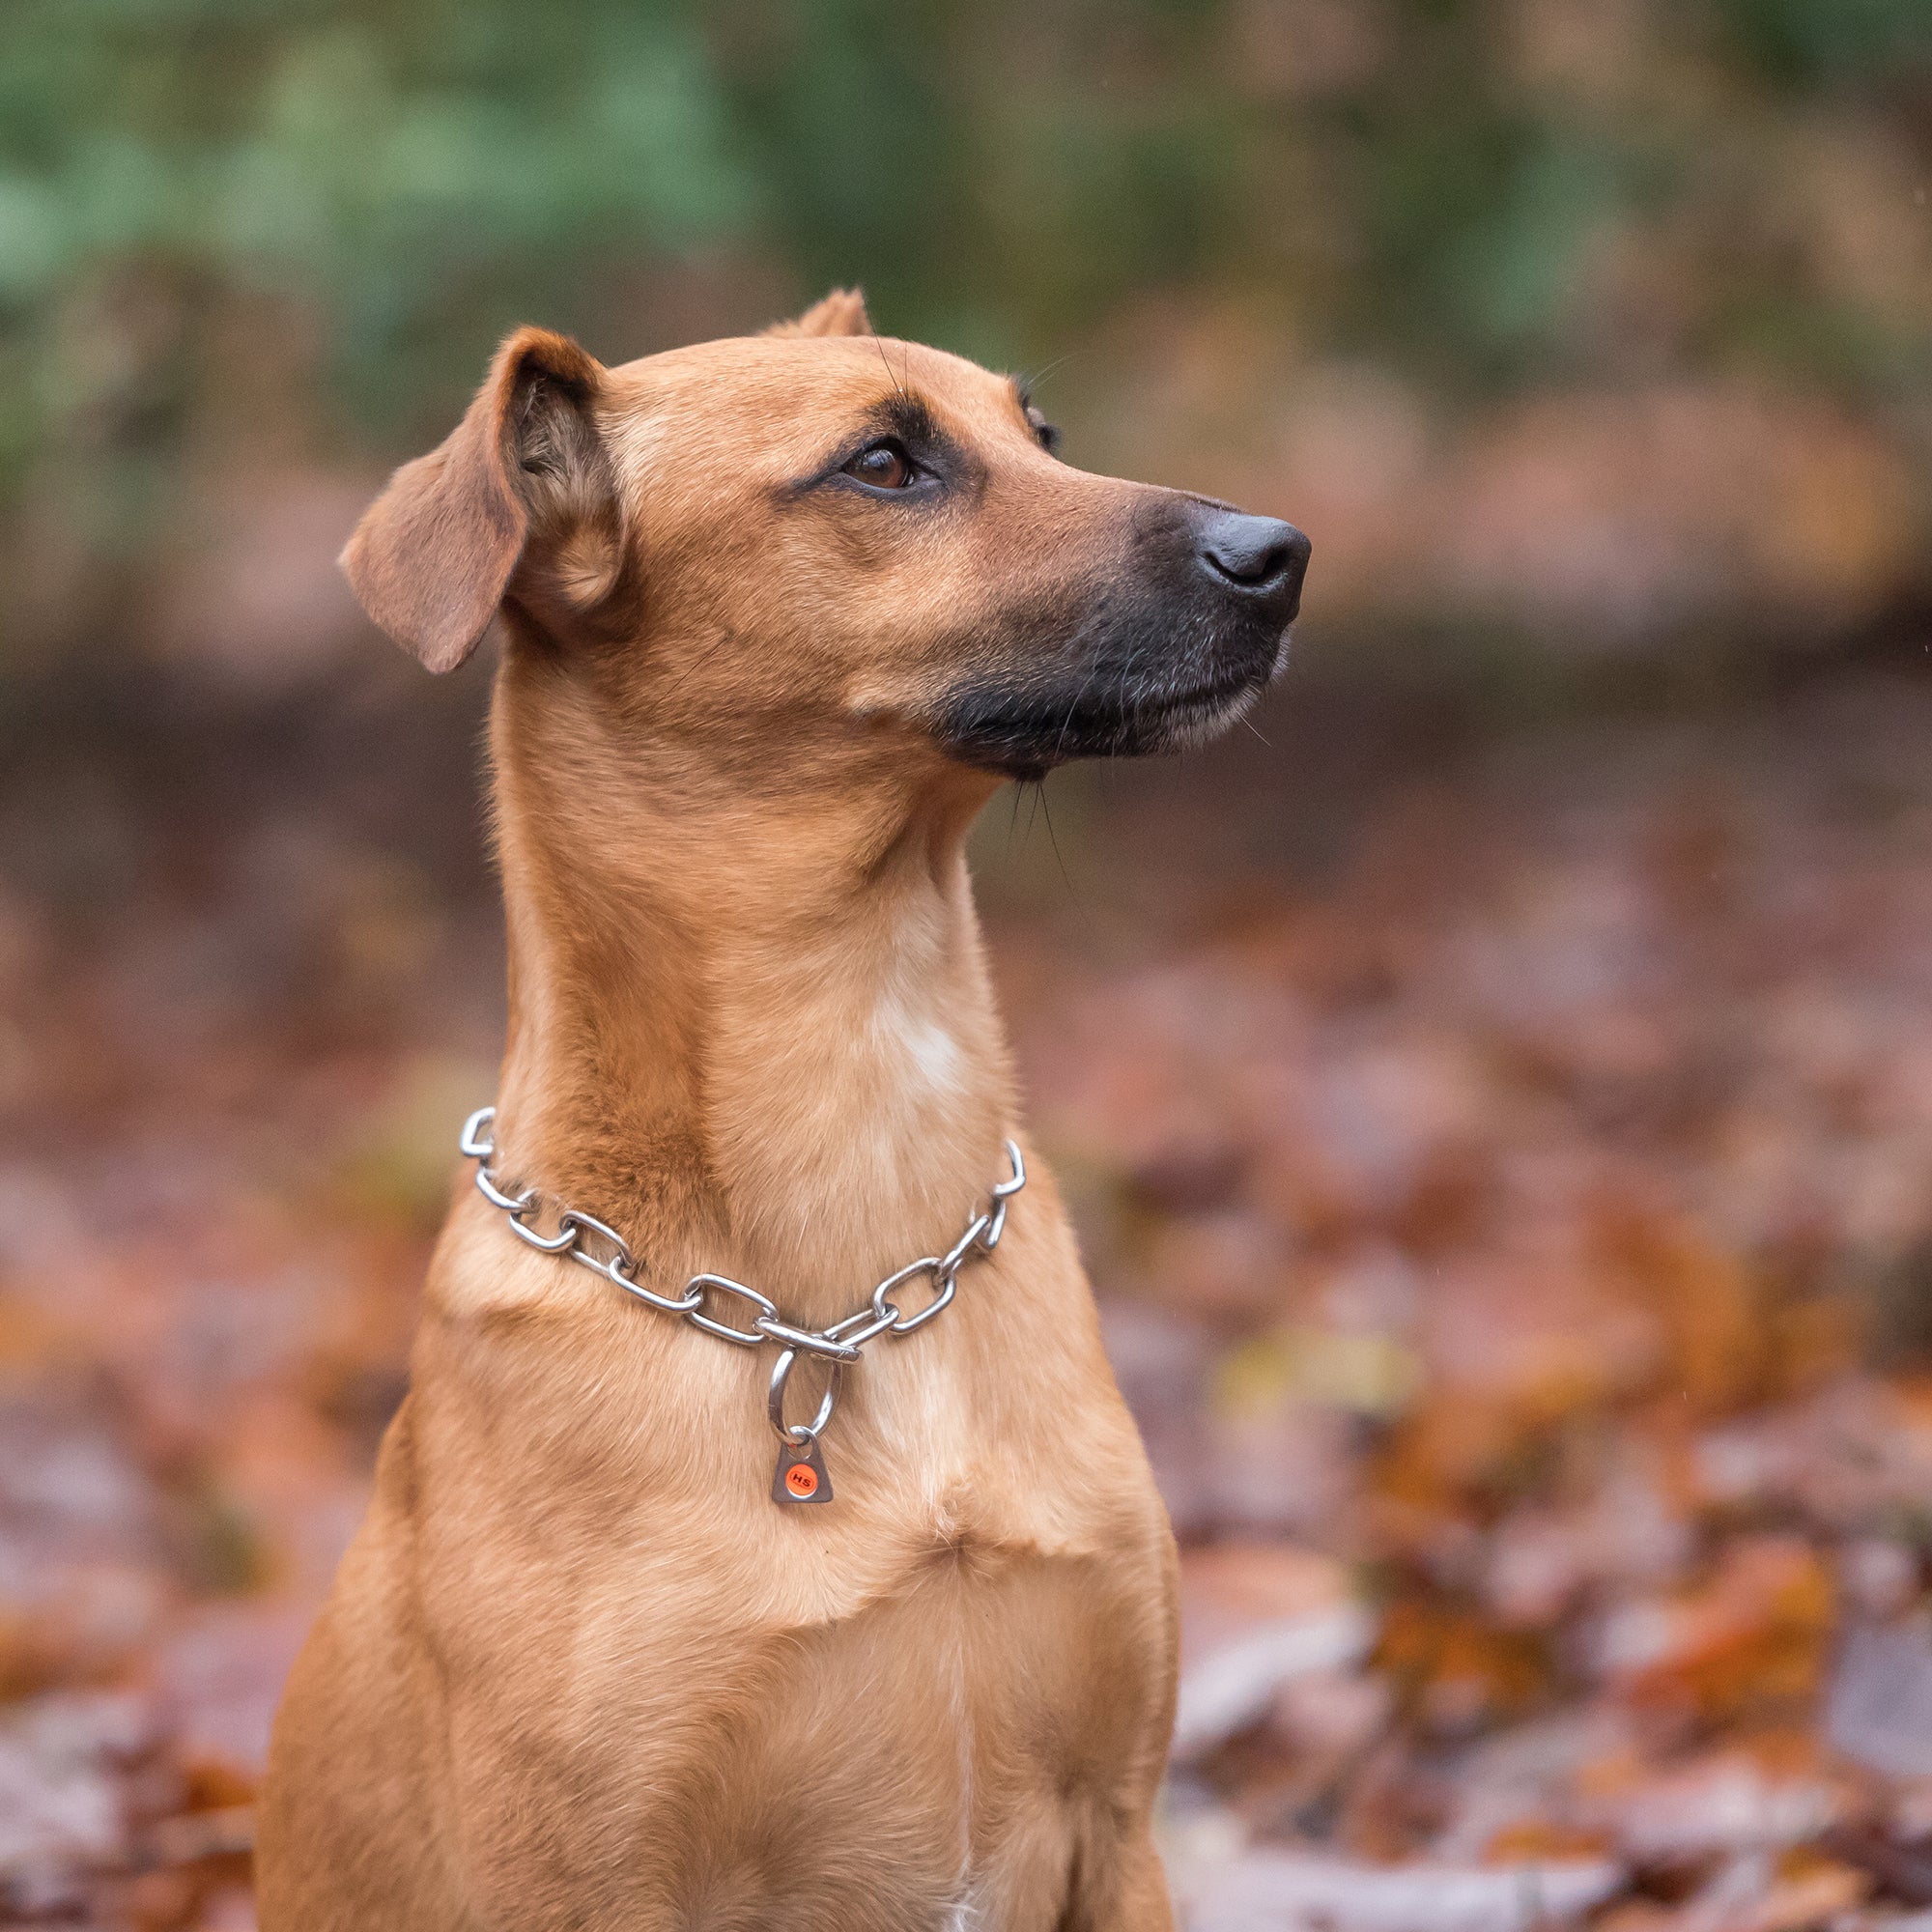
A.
pixel 1262 557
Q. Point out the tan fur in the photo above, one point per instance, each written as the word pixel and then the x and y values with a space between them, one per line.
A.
pixel 577 1669
pixel 840 313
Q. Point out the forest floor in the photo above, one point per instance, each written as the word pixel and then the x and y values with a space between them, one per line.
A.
pixel 1504 1160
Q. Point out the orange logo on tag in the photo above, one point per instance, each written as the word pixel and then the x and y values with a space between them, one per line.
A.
pixel 801 1479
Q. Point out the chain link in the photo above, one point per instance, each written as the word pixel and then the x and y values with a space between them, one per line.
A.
pixel 842 1343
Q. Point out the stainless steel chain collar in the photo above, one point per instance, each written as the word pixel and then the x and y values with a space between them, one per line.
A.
pixel 842 1343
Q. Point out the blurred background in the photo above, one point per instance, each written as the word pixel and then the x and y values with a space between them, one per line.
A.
pixel 1496 1088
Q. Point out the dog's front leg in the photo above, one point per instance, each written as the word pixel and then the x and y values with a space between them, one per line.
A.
pixel 1111 1886
pixel 1135 1898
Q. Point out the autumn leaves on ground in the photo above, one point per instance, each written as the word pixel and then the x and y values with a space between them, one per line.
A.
pixel 1506 1166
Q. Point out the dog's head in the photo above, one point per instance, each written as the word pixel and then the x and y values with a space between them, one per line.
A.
pixel 822 531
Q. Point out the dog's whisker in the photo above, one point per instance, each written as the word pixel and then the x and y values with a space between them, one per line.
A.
pixel 1033 378
pixel 1053 841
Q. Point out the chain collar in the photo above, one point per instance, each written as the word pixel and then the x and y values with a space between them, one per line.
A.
pixel 799 1462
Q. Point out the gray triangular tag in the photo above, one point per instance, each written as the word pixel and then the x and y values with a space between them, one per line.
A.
pixel 801 1475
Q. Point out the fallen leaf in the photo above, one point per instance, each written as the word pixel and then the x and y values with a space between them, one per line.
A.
pixel 1253 1617
pixel 1289 1891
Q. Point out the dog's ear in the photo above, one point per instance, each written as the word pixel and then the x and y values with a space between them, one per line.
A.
pixel 840 313
pixel 523 479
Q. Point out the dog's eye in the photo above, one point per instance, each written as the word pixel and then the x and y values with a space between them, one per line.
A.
pixel 885 466
pixel 1043 432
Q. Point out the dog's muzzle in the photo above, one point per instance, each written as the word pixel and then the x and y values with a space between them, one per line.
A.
pixel 1160 650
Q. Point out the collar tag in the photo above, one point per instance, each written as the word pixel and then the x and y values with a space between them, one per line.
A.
pixel 801 1475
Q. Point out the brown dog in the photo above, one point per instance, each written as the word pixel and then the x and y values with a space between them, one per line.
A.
pixel 779 613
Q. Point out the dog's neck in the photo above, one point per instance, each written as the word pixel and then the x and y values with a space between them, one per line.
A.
pixel 750 1023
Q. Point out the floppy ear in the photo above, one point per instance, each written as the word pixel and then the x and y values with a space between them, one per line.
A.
pixel 434 555
pixel 840 313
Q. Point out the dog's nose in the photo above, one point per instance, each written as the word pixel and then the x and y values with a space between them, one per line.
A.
pixel 1260 557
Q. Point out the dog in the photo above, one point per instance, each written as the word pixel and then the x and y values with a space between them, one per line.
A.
pixel 779 614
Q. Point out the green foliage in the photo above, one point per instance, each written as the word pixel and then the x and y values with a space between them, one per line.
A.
pixel 1803 44
pixel 363 194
